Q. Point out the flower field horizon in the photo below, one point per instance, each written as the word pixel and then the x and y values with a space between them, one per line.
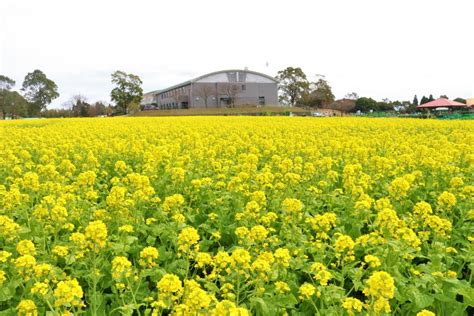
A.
pixel 236 216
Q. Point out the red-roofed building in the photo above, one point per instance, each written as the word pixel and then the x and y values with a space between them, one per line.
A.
pixel 441 103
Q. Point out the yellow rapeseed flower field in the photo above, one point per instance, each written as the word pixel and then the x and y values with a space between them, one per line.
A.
pixel 236 216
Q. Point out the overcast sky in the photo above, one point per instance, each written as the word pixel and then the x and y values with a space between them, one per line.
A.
pixel 381 49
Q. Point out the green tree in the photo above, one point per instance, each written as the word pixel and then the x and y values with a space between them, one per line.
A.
pixel 415 101
pixel 292 84
pixel 128 90
pixel 386 105
pixel 460 100
pixel 5 85
pixel 321 95
pixel 424 100
pixel 39 91
pixel 409 108
pixel 444 96
pixel 134 107
pixel 430 98
pixel 365 104
pixel 15 104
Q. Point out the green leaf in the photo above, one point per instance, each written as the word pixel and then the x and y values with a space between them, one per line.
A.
pixel 261 307
pixel 287 300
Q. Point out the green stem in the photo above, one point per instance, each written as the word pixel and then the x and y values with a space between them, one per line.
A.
pixel 134 296
pixel 94 285
pixel 315 307
pixel 238 289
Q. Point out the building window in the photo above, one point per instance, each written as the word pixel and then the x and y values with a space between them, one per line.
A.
pixel 244 87
pixel 261 100
pixel 232 76
pixel 241 76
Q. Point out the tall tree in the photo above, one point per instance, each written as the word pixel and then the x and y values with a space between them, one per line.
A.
pixel 386 105
pixel 15 105
pixel 39 91
pixel 365 104
pixel 415 101
pixel 424 100
pixel 5 85
pixel 444 96
pixel 320 95
pixel 430 98
pixel 128 89
pixel 292 84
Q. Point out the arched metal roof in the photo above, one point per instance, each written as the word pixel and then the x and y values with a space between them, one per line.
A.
pixel 210 74
pixel 234 70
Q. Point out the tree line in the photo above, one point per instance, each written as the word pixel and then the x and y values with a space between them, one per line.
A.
pixel 38 91
pixel 296 90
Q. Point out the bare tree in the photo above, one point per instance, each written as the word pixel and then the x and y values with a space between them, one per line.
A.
pixel 177 96
pixel 230 90
pixel 204 91
pixel 77 105
pixel 344 105
pixel 351 96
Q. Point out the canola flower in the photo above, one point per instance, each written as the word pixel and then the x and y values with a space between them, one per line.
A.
pixel 170 286
pixel 26 247
pixel 3 277
pixel 68 293
pixel 27 308
pixel 40 288
pixel 188 239
pixel 96 233
pixel 380 288
pixel 148 257
pixel 121 268
pixel 352 304
pixel 235 216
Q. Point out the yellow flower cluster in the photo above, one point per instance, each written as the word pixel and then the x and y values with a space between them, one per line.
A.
pixel 27 308
pixel 26 247
pixel 68 293
pixel 321 273
pixel 96 233
pixel 322 224
pixel 188 239
pixel 121 268
pixel 292 205
pixel 306 291
pixel 148 257
pixel 380 288
pixel 352 304
pixel 344 247
pixel 2 277
pixel 446 200
pixel 235 215
pixel 170 286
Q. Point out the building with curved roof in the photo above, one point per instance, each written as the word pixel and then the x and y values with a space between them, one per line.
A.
pixel 225 88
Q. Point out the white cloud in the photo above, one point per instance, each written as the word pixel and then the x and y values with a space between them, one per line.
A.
pixel 391 49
